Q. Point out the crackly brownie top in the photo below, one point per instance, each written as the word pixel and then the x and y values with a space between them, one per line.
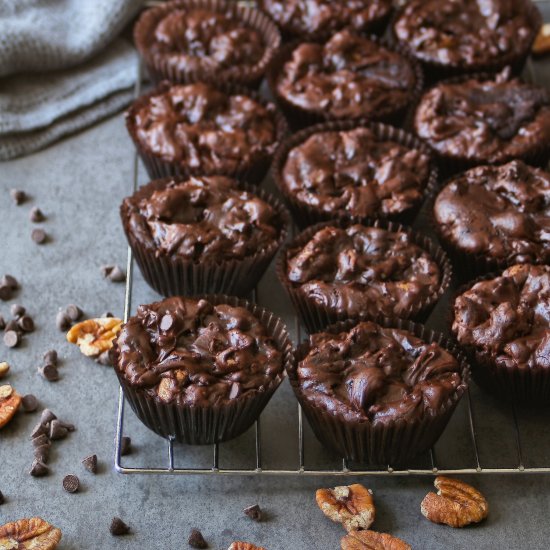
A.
pixel 201 219
pixel 485 121
pixel 195 39
pixel 192 352
pixel 502 212
pixel 464 32
pixel 363 270
pixel 300 17
pixel 356 172
pixel 377 374
pixel 348 77
pixel 203 128
pixel 507 319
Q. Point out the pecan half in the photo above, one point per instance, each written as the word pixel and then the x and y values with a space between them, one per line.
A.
pixel 371 540
pixel 239 545
pixel 456 503
pixel 29 534
pixel 9 403
pixel 95 336
pixel 350 505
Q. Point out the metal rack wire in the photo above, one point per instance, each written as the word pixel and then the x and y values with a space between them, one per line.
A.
pixel 169 467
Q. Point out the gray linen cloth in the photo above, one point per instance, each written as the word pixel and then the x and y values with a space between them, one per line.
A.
pixel 71 71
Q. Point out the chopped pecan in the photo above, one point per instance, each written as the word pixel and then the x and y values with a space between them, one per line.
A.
pixel 239 545
pixel 371 540
pixel 9 403
pixel 95 336
pixel 352 506
pixel 456 503
pixel 33 533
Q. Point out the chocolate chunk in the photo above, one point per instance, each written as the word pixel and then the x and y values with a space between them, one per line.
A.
pixel 42 453
pixel 26 323
pixel 118 527
pixel 18 196
pixel 40 440
pixel 90 463
pixel 254 512
pixel 49 372
pixel 47 416
pixel 74 313
pixel 38 469
pixel 2 499
pixel 62 321
pixel 6 293
pixel 71 483
pixel 196 540
pixel 117 275
pixel 50 357
pixel 125 446
pixel 36 215
pixel 57 430
pixel 17 310
pixel 39 236
pixel 9 281
pixel 29 403
pixel 11 338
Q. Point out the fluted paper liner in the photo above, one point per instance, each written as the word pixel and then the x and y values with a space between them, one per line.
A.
pixel 203 425
pixel 316 317
pixel 172 275
pixel 307 214
pixel 394 443
pixel 160 69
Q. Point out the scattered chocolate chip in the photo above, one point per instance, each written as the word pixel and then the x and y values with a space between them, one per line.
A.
pixel 42 453
pixel 36 215
pixel 57 430
pixel 117 275
pixel 106 270
pixel 74 313
pixel 40 440
pixel 17 310
pixel 118 527
pixel 105 358
pixel 29 403
pixel 11 325
pixel 26 323
pixel 47 416
pixel 106 314
pixel 62 321
pixel 38 430
pixel 90 463
pixel 71 483
pixel 4 369
pixel 2 323
pixel 18 196
pixel 125 446
pixel 39 236
pixel 50 357
pixel 11 338
pixel 2 499
pixel 254 512
pixel 38 469
pixel 196 540
pixel 49 372
pixel 6 293
pixel 10 281
pixel 67 425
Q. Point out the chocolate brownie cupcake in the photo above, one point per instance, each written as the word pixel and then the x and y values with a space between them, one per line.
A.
pixel 354 171
pixel 198 235
pixel 348 77
pixel 504 323
pixel 378 393
pixel 485 120
pixel 201 129
pixel 311 18
pixel 206 40
pixel 201 370
pixel 333 272
pixel 464 36
pixel 494 216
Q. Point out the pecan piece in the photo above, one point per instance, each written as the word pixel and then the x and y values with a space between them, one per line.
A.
pixel 33 533
pixel 350 505
pixel 456 503
pixel 371 540
pixel 9 403
pixel 95 336
pixel 240 545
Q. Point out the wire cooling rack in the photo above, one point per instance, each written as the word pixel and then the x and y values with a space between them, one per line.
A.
pixel 486 437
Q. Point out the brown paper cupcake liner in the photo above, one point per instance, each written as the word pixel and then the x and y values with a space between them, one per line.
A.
pixel 306 214
pixel 435 71
pixel 172 276
pixel 300 118
pixel 316 317
pixel 203 425
pixel 394 443
pixel 521 386
pixel 249 172
pixel 159 68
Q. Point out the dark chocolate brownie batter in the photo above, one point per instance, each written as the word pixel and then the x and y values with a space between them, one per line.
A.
pixel 356 172
pixel 377 374
pixel 502 212
pixel 201 219
pixel 200 127
pixel 464 32
pixel 507 319
pixel 363 270
pixel 485 121
pixel 198 39
pixel 299 17
pixel 348 77
pixel 190 352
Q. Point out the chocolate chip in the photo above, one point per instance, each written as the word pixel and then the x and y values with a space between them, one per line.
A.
pixel 11 325
pixel 71 483
pixel 117 275
pixel 118 527
pixel 254 512
pixel 29 403
pixel 9 281
pixel 90 464
pixel 39 236
pixel 67 425
pixel 2 499
pixel 26 323
pixel 62 321
pixel 105 358
pixel 38 469
pixel 40 440
pixel 6 293
pixel 38 430
pixel 42 453
pixel 49 372
pixel 57 430
pixel 11 338
pixel 18 196
pixel 2 323
pixel 125 446
pixel 17 310
pixel 106 314
pixel 36 215
pixel 50 357
pixel 73 312
pixel 196 540
pixel 47 416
